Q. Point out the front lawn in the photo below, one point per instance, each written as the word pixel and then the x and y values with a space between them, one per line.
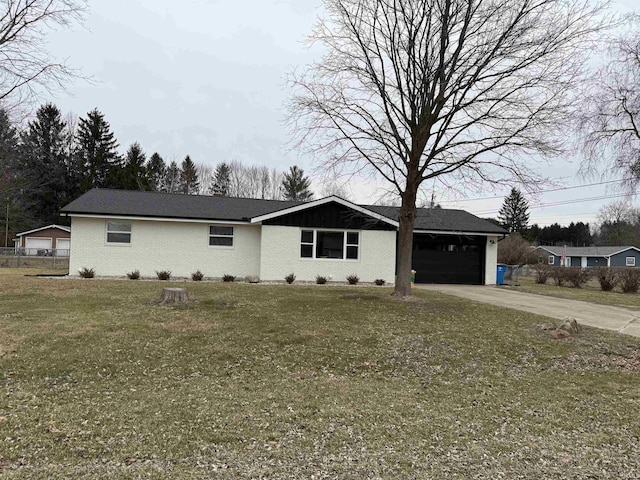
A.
pixel 97 380
pixel 590 292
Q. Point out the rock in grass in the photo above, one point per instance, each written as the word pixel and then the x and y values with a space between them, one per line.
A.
pixel 570 325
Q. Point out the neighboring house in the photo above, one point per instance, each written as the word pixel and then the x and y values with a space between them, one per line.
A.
pixel 44 241
pixel 118 231
pixel 591 256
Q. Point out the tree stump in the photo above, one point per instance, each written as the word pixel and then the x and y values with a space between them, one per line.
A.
pixel 174 295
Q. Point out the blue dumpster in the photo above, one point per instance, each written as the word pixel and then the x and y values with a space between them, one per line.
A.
pixel 502 269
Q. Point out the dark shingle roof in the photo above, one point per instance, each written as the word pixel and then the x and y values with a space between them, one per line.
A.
pixel 440 219
pixel 203 207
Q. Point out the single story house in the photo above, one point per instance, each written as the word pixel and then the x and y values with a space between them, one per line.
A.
pixel 622 256
pixel 44 241
pixel 118 231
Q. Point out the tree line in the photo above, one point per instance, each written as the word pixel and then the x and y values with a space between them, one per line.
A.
pixel 54 159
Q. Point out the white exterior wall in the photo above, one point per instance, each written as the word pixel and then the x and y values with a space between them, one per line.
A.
pixel 181 247
pixel 281 256
pixel 491 260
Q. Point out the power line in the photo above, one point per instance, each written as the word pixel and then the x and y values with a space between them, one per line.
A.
pixel 560 189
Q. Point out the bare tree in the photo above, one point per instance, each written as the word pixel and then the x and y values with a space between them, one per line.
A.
pixel 205 177
pixel 26 67
pixel 609 121
pixel 417 89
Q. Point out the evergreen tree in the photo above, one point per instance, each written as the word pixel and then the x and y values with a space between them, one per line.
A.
pixel 189 177
pixel 134 174
pixel 157 172
pixel 12 208
pixel 96 152
pixel 295 186
pixel 44 165
pixel 172 178
pixel 221 179
pixel 514 213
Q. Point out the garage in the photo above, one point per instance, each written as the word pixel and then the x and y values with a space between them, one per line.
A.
pixel 455 259
pixel 62 247
pixel 37 245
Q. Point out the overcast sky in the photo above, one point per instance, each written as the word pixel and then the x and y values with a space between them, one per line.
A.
pixel 207 78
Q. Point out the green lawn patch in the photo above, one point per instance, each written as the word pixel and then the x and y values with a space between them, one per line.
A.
pixel 98 380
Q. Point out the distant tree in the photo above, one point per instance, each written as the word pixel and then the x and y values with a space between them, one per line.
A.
pixel 189 177
pixel 515 250
pixel 618 224
pixel 172 178
pixel 134 174
pixel 205 178
pixel 295 185
pixel 157 172
pixel 96 153
pixel 44 165
pixel 12 208
pixel 221 179
pixel 514 213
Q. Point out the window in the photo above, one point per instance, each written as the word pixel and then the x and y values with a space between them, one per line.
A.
pixel 631 261
pixel 118 232
pixel 551 259
pixel 220 236
pixel 329 244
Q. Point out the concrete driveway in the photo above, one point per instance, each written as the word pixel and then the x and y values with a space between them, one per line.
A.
pixel 601 316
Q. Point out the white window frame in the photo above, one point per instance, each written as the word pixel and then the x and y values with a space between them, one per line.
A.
pixel 345 244
pixel 630 261
pixel 219 235
pixel 123 232
pixel 552 259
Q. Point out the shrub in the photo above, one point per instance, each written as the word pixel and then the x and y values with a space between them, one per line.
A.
pixel 559 275
pixel 135 275
pixel 607 278
pixel 163 274
pixel 541 273
pixel 320 280
pixel 577 276
pixel 228 278
pixel 353 279
pixel 629 279
pixel 290 278
pixel 379 281
pixel 197 276
pixel 85 272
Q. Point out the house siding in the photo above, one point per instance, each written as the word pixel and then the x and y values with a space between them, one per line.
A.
pixel 619 260
pixel 181 247
pixel 596 262
pixel 280 247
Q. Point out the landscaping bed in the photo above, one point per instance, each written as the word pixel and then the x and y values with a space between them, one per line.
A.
pixel 98 379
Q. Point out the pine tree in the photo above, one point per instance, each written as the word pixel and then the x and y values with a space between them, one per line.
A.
pixel 134 175
pixel 156 171
pixel 221 179
pixel 12 205
pixel 172 178
pixel 96 152
pixel 44 165
pixel 514 214
pixel 295 186
pixel 189 177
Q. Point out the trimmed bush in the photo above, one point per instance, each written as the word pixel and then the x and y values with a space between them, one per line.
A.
pixel 379 281
pixel 290 278
pixel 541 273
pixel 559 275
pixel 163 274
pixel 197 276
pixel 135 275
pixel 85 272
pixel 629 279
pixel 353 279
pixel 228 278
pixel 607 278
pixel 320 280
pixel 577 276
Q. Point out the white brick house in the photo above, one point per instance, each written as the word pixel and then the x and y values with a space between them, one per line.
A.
pixel 117 231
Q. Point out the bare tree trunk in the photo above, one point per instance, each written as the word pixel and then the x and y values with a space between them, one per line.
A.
pixel 405 239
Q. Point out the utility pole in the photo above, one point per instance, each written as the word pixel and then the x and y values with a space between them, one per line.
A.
pixel 6 227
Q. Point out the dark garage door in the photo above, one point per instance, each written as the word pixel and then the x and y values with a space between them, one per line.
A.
pixel 449 259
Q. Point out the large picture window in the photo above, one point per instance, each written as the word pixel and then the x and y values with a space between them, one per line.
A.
pixel 220 236
pixel 118 232
pixel 332 244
